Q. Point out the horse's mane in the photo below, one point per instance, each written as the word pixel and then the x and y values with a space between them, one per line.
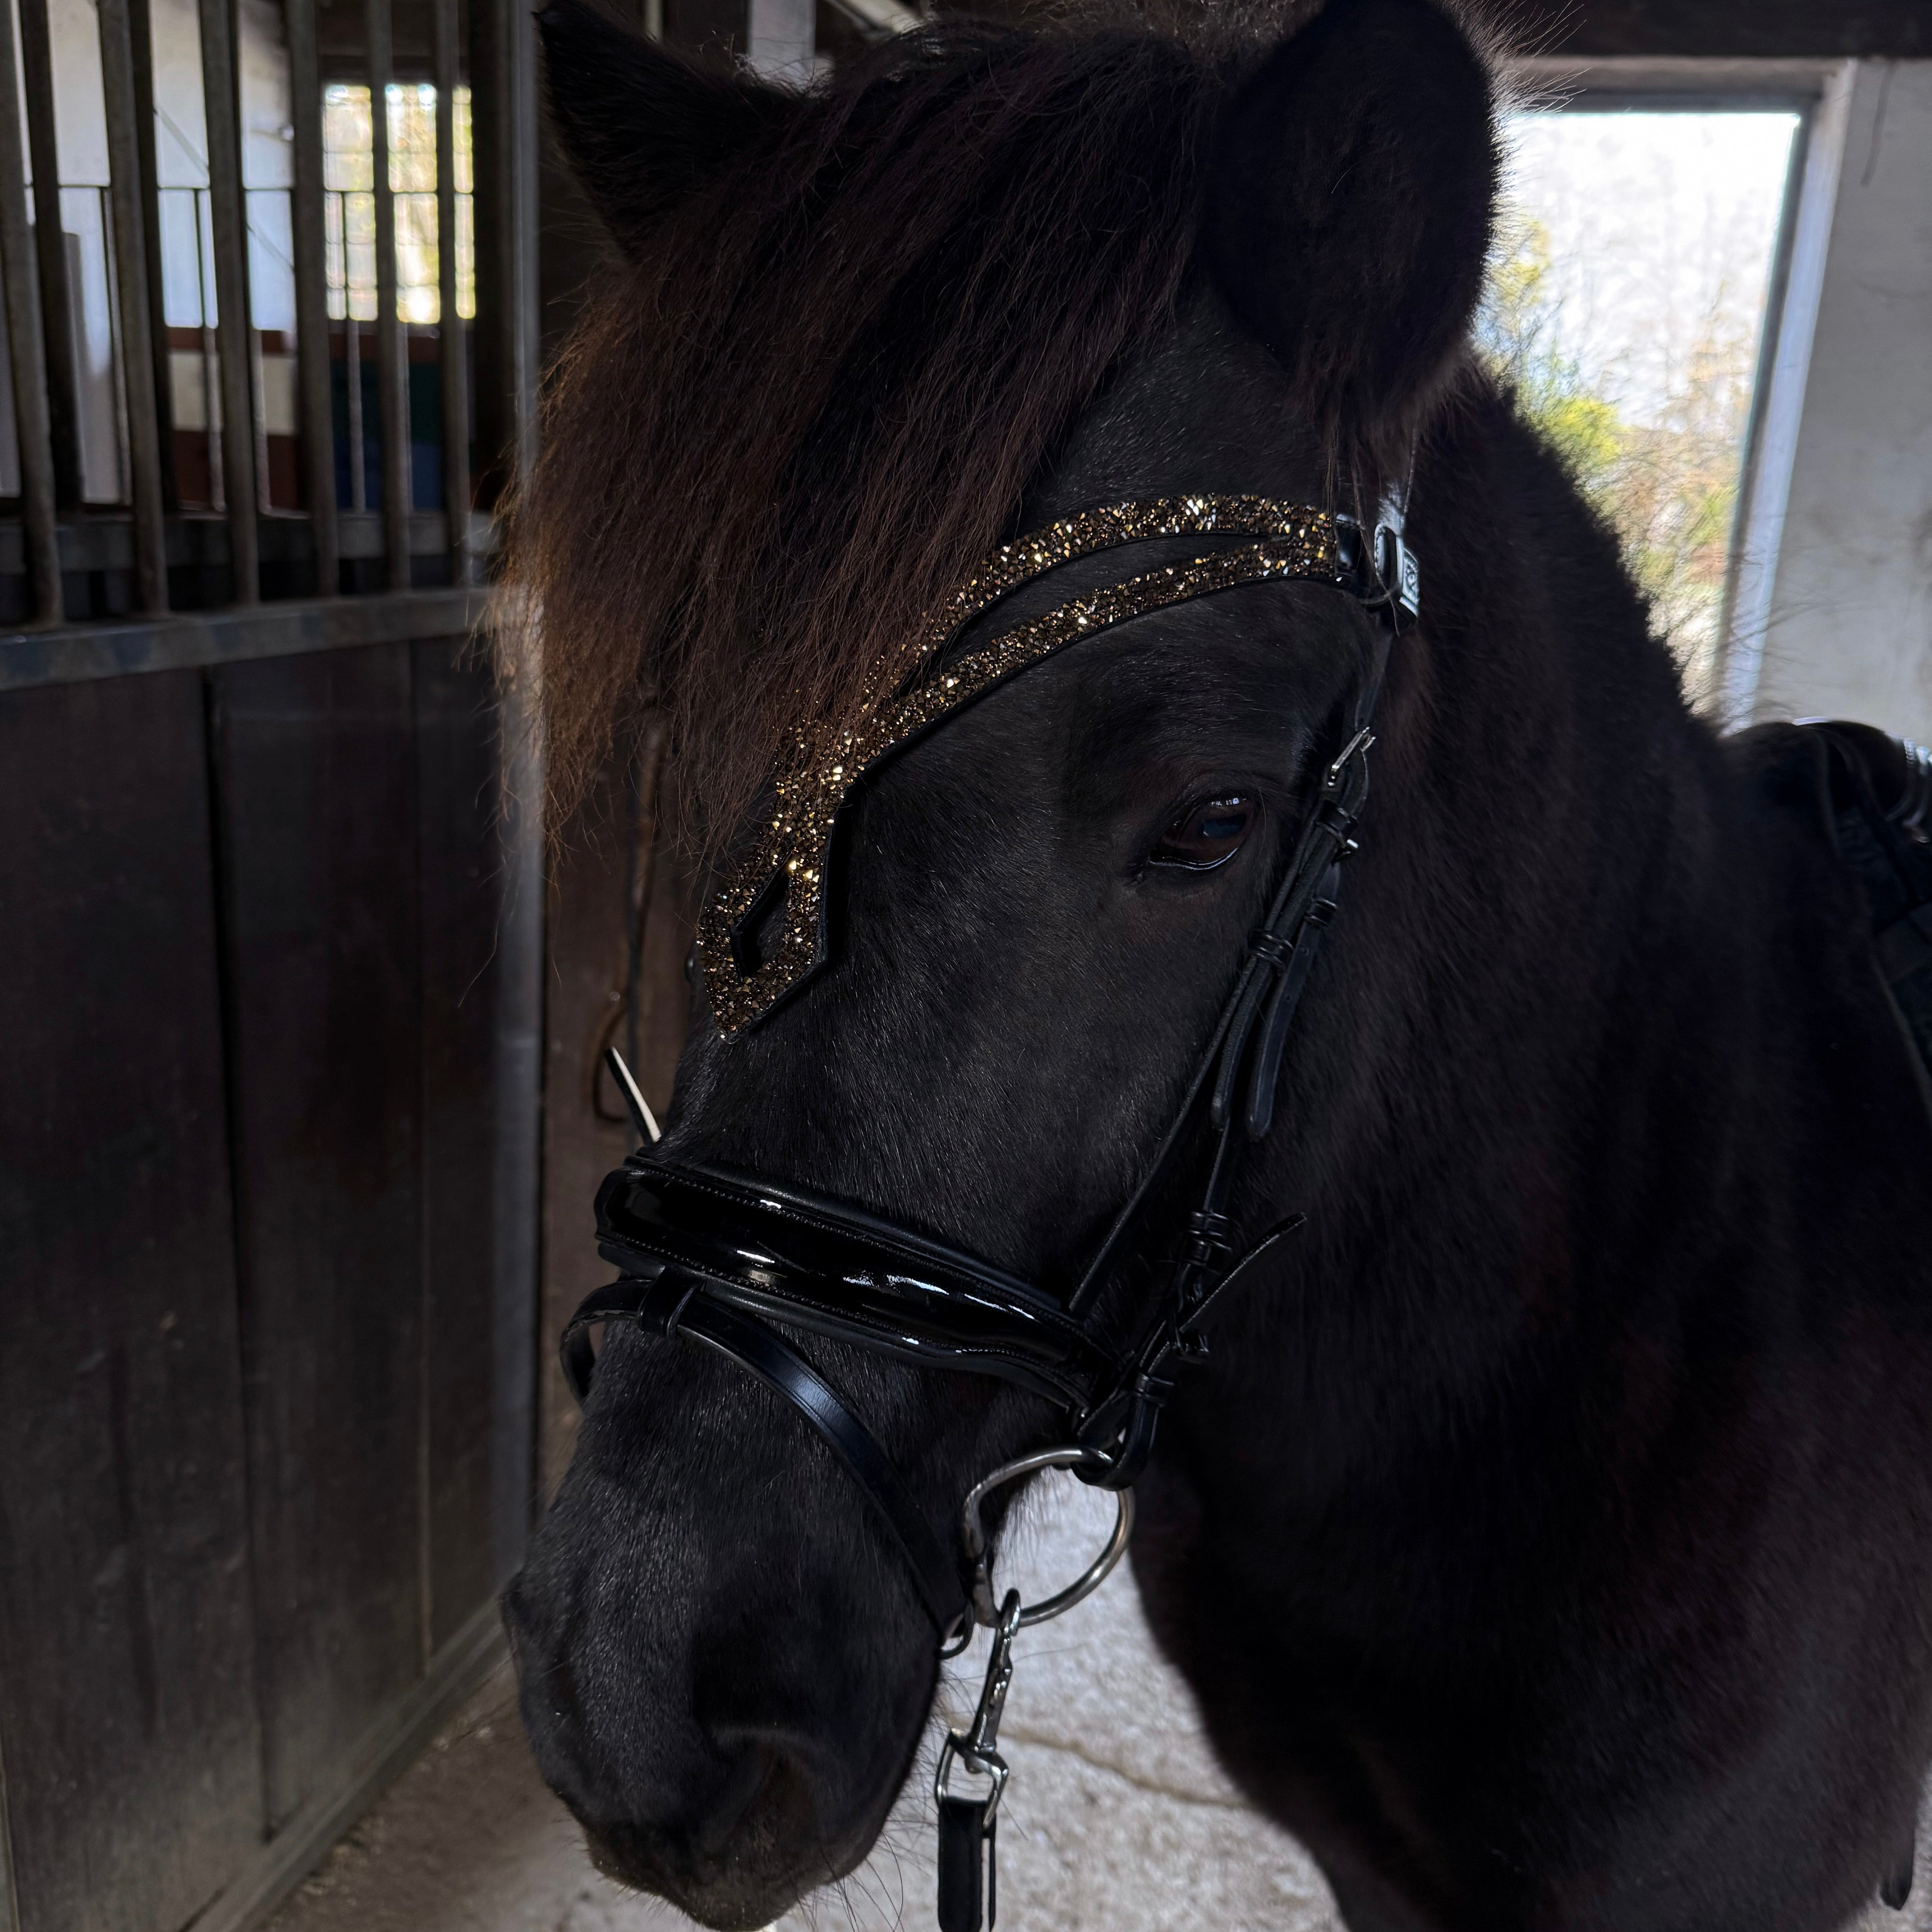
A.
pixel 813 398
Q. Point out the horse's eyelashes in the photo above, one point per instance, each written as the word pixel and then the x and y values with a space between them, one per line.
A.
pixel 1206 833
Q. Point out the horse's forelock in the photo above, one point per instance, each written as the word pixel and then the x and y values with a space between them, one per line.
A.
pixel 814 398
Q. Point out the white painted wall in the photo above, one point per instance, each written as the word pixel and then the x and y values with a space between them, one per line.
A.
pixel 1833 611
pixel 782 35
pixel 181 156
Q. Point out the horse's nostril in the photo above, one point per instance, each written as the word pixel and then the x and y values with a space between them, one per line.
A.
pixel 773 1793
pixel 752 1767
pixel 752 1812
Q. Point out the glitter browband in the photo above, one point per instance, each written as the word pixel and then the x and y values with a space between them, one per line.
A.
pixel 793 852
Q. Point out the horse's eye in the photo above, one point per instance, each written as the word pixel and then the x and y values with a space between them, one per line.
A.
pixel 1207 834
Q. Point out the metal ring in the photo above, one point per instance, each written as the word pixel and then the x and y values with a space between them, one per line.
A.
pixel 1083 1585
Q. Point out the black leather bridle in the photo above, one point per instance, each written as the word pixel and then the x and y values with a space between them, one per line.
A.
pixel 726 1260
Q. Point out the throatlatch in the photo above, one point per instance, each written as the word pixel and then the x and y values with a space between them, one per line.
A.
pixel 724 1260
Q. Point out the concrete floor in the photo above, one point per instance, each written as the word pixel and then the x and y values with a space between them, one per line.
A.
pixel 1116 1820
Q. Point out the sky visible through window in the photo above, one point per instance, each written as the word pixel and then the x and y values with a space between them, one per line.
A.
pixel 349 203
pixel 1627 300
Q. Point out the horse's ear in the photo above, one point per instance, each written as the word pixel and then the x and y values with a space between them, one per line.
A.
pixel 1349 202
pixel 641 128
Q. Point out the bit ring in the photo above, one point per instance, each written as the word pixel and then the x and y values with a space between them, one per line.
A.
pixel 983 1609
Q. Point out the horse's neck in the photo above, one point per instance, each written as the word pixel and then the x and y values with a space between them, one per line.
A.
pixel 1585 975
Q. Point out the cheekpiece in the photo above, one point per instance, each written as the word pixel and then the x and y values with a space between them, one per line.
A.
pixel 910 689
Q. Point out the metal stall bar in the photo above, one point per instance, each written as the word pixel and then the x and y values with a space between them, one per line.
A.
pixel 359 444
pixel 317 424
pixel 506 133
pixel 141 40
pixel 130 277
pixel 228 213
pixel 392 368
pixel 490 336
pixel 450 356
pixel 37 68
pixel 504 130
pixel 26 348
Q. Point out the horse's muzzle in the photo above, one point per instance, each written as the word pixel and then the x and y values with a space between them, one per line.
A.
pixel 691 1793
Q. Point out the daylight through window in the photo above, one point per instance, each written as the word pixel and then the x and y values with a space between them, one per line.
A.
pixel 348 202
pixel 1627 302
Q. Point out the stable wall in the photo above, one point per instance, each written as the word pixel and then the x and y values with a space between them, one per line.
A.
pixel 1834 615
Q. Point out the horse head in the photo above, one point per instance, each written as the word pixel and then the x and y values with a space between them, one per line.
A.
pixel 1153 270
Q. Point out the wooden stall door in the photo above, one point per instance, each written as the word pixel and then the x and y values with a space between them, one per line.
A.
pixel 128 1721
pixel 266 1372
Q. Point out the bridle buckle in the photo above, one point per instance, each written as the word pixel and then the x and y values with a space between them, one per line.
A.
pixel 1383 573
pixel 1211 1235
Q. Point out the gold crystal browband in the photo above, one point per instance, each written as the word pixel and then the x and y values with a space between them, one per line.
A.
pixel 895 704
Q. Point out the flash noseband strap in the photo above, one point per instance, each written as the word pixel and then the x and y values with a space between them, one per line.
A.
pixel 779 888
pixel 669 1303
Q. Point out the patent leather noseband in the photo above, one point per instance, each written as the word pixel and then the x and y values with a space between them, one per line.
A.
pixel 740 1264
pixel 719 1258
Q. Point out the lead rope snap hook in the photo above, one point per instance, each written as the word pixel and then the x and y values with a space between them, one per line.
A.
pixel 967 1882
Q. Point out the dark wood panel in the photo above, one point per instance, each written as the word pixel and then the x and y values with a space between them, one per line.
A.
pixel 1732 29
pixel 462 876
pixel 583 989
pixel 127 1709
pixel 318 822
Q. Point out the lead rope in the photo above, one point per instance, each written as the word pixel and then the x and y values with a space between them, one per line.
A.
pixel 968 1884
pixel 968 1873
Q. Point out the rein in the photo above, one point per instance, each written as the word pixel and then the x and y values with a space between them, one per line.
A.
pixel 723 1260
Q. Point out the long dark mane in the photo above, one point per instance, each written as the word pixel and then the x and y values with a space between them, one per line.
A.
pixel 814 393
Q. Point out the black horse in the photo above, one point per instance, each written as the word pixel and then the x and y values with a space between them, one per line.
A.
pixel 1546 1534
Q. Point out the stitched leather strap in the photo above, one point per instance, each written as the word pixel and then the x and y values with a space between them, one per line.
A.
pixel 674 1304
pixel 778 1253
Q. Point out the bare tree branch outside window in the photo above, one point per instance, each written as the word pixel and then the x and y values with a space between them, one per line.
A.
pixel 1626 303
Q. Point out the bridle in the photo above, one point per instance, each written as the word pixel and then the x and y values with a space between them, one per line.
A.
pixel 727 1260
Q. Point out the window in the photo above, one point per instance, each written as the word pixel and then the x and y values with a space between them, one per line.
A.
pixel 348 202
pixel 1627 301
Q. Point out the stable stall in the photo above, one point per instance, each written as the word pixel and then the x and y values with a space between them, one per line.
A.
pixel 301 1055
